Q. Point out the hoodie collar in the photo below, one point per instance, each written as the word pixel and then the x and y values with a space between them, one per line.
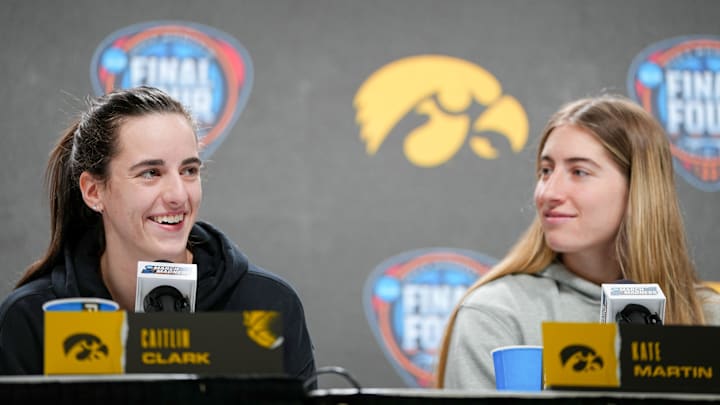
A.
pixel 221 265
pixel 81 276
pixel 558 272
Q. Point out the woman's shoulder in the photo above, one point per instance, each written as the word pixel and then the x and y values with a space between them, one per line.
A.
pixel 707 294
pixel 27 297
pixel 710 300
pixel 513 286
pixel 258 287
pixel 263 278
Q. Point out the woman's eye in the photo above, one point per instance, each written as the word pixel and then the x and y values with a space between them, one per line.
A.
pixel 148 174
pixel 544 171
pixel 191 171
pixel 580 172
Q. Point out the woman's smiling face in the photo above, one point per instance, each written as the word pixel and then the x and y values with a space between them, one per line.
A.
pixel 153 193
pixel 581 194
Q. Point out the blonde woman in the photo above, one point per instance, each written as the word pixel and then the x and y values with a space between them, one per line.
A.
pixel 607 209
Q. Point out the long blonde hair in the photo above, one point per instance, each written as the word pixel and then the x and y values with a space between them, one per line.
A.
pixel 651 242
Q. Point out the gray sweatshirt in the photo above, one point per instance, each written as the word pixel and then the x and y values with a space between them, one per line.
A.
pixel 510 311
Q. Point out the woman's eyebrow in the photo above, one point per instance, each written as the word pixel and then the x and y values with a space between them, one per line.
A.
pixel 146 163
pixel 192 160
pixel 577 159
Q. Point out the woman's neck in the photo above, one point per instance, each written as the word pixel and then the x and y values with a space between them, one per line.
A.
pixel 597 268
pixel 119 275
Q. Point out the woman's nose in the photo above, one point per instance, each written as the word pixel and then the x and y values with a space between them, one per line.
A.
pixel 174 192
pixel 552 188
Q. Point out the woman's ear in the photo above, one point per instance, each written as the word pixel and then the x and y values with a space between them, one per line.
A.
pixel 90 188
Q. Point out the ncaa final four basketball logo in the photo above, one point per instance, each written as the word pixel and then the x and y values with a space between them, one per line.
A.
pixel 205 69
pixel 408 300
pixel 678 81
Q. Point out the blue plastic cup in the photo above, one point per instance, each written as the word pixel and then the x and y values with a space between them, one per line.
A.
pixel 518 368
pixel 80 304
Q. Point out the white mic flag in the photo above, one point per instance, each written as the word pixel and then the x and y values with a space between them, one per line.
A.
pixel 632 303
pixel 165 286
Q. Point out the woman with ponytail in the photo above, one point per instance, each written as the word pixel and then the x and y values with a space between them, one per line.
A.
pixel 606 210
pixel 124 186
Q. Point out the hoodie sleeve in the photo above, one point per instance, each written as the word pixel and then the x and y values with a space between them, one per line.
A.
pixel 21 332
pixel 477 331
pixel 227 281
pixel 299 358
pixel 504 312
pixel 260 289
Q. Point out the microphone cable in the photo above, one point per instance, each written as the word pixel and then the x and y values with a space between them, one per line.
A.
pixel 332 370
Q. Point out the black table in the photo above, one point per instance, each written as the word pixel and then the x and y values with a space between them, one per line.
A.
pixel 208 390
pixel 434 396
pixel 150 389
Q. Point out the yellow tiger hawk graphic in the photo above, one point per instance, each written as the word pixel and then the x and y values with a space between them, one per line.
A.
pixel 447 91
pixel 263 327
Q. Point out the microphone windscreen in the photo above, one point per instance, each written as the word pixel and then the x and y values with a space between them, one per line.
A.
pixel 165 298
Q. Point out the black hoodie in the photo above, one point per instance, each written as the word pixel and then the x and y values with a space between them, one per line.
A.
pixel 226 282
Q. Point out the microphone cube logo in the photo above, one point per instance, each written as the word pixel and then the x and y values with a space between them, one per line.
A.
pixel 152 268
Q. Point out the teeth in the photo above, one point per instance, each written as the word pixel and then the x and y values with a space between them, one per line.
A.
pixel 169 219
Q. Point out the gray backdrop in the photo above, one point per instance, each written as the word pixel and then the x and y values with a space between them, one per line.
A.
pixel 292 184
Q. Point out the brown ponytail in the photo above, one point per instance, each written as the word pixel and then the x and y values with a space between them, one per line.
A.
pixel 88 145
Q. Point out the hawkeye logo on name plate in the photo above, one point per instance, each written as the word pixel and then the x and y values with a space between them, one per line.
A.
pixel 207 70
pixel 678 81
pixel 580 354
pixel 84 342
pixel 408 299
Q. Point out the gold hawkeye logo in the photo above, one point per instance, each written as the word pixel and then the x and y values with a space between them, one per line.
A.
pixel 460 100
pixel 85 347
pixel 581 358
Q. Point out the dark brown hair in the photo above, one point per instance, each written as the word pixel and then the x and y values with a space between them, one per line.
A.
pixel 89 145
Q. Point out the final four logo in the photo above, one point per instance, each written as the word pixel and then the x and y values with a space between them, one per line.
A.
pixel 678 80
pixel 207 70
pixel 408 299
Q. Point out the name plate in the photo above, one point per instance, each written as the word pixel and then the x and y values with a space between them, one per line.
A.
pixel 670 358
pixel 209 343
pixel 247 342
pixel 631 357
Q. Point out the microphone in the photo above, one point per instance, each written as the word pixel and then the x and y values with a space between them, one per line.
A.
pixel 163 286
pixel 625 301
